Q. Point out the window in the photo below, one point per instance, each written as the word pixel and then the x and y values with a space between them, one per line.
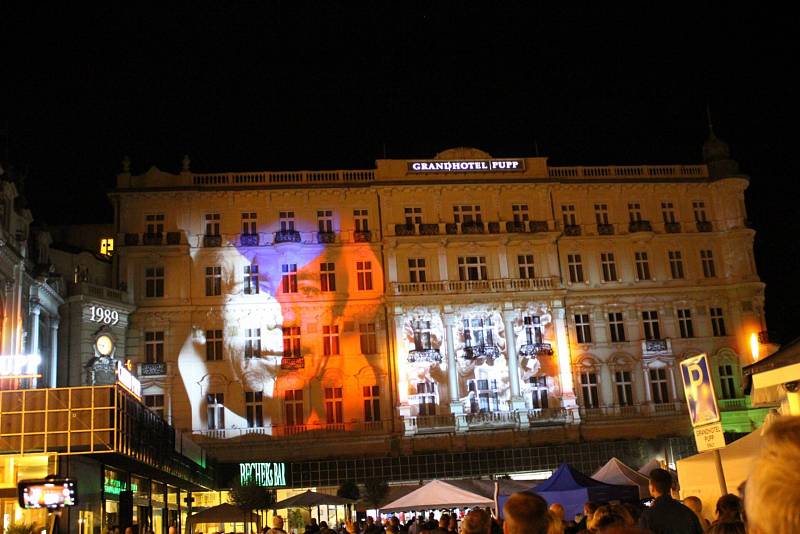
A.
pixel 568 215
pixel 575 267
pixel 252 343
pixel 293 406
pixel 286 220
pixel 107 246
pixel 634 212
pixel 675 264
pixel 685 322
pixel 413 215
pixel 642 266
pixel 361 219
pixel 478 333
pixel 154 223
pixel 156 404
pixel 364 275
pixel 330 340
pixel 622 380
pixel 251 279
pixel 601 213
pixel 519 212
pixel 591 397
pixel 154 347
pixel 609 265
pixel 616 327
pixel 525 262
pixel 327 276
pixel 333 405
pixel 213 345
pixel 539 392
pixel 472 268
pixel 727 381
pixel 154 282
pixel 422 335
pixel 668 212
pixel 717 322
pixel 291 342
pixel 583 329
pixel 699 208
pixel 289 277
pixel 372 403
pixel 483 396
pixel 212 223
pixel 707 259
pixel 325 220
pixel 249 223
pixel 466 214
pixel 658 385
pixel 213 281
pixel 652 330
pixel 216 411
pixel 426 398
pixel 254 407
pixel 416 270
pixel 533 329
pixel 369 342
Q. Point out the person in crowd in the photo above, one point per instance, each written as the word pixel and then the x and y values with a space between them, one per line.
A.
pixel 415 526
pixel 609 517
pixel 558 513
pixel 452 526
pixel 727 527
pixel 372 527
pixel 441 527
pixel 431 523
pixel 526 513
pixel 729 509
pixel 476 522
pixel 696 505
pixel 277 526
pixel 312 527
pixel 323 528
pixel 666 515
pixel 589 508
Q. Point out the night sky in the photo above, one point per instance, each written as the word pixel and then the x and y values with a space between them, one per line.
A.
pixel 291 86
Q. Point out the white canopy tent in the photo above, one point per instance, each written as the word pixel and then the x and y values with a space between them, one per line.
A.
pixel 436 494
pixel 616 472
pixel 649 466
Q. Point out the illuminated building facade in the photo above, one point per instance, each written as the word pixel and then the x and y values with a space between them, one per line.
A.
pixel 414 307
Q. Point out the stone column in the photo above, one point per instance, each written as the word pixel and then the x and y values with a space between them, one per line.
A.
pixel 391 261
pixel 8 320
pixel 36 310
pixel 648 399
pixel 606 387
pixel 568 399
pixel 53 371
pixel 503 259
pixel 517 402
pixel 456 408
pixel 443 275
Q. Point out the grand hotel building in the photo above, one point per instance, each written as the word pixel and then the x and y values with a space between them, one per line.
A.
pixel 456 316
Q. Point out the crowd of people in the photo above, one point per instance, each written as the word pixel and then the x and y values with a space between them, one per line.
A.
pixel 769 503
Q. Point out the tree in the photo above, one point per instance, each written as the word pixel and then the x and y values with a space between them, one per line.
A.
pixel 375 490
pixel 252 497
pixel 349 490
pixel 295 518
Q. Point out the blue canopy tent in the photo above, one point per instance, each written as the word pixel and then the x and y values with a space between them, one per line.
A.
pixel 571 489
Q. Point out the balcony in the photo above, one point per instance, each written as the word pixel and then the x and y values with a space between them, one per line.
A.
pixel 405 229
pixel 704 226
pixel 424 355
pixel 152 239
pixel 640 226
pixel 513 227
pixel 732 405
pixel 548 416
pixel 100 292
pixel 362 236
pixel 212 240
pixel 451 228
pixel 152 369
pixel 287 236
pixel 656 347
pixel 249 240
pixel 494 227
pixel 605 229
pixel 296 431
pixel 428 229
pixel 472 227
pixel 672 227
pixel 481 351
pixel 535 349
pixel 539 226
pixel 131 239
pixel 492 420
pixel 326 237
pixel 428 424
pixel 293 363
pixel 572 230
pixel 499 285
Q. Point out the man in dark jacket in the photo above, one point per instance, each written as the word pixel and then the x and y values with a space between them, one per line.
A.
pixel 666 515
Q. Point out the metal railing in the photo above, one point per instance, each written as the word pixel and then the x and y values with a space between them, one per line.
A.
pixel 497 285
pixel 290 431
pixel 630 171
pixel 290 177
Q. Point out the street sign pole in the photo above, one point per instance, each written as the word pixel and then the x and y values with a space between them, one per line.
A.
pixel 723 487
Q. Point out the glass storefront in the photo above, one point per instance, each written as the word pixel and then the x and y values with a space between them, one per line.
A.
pixel 14 468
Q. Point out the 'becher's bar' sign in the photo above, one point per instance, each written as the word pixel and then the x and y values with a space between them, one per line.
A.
pixel 264 474
pixel 477 165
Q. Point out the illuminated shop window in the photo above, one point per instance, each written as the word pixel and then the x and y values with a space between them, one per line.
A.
pixel 289 277
pixel 642 266
pixel 216 411
pixel 422 335
pixel 685 324
pixel 107 246
pixel 675 264
pixel 325 221
pixel 609 266
pixel 707 261
pixel 417 270
pixel 483 396
pixel 212 223
pixel 634 211
pixel 291 342
pixel 472 268
pixel 369 342
pixel 293 407
pixel 156 404
pixel 583 328
pixel 533 329
pixel 413 215
pixel 650 324
pixel 727 381
pixel 286 219
pixel 213 345
pixel 591 396
pixel 699 208
pixel 717 322
pixel 426 398
pixel 519 212
pixel 525 264
pixel 658 385
pixel 213 281
pixel 254 407
pixel 327 276
pixel 364 275
pixel 154 223
pixel 249 223
pixel 616 327
pixel 575 268
pixel 251 279
pixel 467 214
pixel 668 212
pixel 333 406
pixel 622 380
pixel 601 213
pixel 539 391
pixel 252 343
pixel 330 340
pixel 372 403
pixel 361 219
pixel 154 347
pixel 568 215
pixel 154 282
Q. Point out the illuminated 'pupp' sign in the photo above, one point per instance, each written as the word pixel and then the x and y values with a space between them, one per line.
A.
pixel 478 165
pixel 20 365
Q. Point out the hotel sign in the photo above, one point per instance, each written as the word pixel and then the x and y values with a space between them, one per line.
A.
pixel 264 474
pixel 20 366
pixel 126 379
pixel 459 166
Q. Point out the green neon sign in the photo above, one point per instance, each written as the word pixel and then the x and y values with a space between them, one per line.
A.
pixel 114 486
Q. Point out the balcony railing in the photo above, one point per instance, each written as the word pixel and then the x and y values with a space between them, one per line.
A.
pixel 481 351
pixel 704 226
pixel 131 240
pixel 152 239
pixel 451 228
pixel 605 229
pixel 404 229
pixel 473 227
pixel 494 227
pixel 422 424
pixel 492 419
pixel 287 236
pixel 539 226
pixel 362 236
pixel 249 240
pixel 632 172
pixel 428 229
pixel 424 355
pixel 293 363
pixel 535 349
pixel 672 227
pixel 656 347
pixel 326 237
pixel 101 292
pixel 640 226
pixel 548 416
pixel 498 285
pixel 153 369
pixel 290 431
pixel 212 240
pixel 173 238
pixel 516 227
pixel 729 405
pixel 572 230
